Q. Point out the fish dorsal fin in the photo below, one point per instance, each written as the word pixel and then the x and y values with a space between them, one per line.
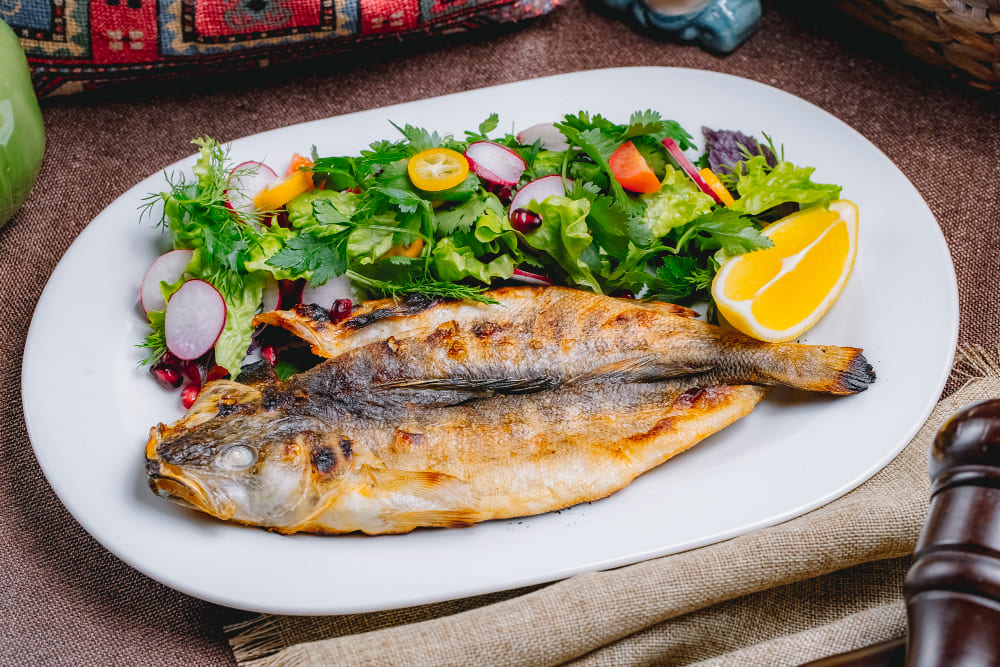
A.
pixel 483 385
pixel 645 368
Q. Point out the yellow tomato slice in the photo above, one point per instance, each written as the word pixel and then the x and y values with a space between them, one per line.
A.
pixel 437 169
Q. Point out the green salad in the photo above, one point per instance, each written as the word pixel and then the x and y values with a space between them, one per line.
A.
pixel 617 209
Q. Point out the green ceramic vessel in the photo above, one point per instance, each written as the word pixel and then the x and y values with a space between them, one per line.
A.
pixel 22 135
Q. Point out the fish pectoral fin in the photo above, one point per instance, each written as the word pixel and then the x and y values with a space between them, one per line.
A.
pixel 483 385
pixel 423 484
pixel 448 496
pixel 645 368
pixel 404 522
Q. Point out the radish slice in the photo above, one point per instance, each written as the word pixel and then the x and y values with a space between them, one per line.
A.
pixel 196 314
pixel 531 278
pixel 245 180
pixel 538 190
pixel 547 134
pixel 689 168
pixel 270 297
pixel 324 295
pixel 494 163
pixel 167 268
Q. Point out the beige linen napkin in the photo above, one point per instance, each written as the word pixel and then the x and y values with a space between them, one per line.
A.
pixel 826 582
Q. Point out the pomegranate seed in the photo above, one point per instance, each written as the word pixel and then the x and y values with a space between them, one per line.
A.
pixel 341 310
pixel 189 393
pixel 191 370
pixel 290 292
pixel 525 221
pixel 626 294
pixel 269 354
pixel 167 377
pixel 217 372
pixel 504 193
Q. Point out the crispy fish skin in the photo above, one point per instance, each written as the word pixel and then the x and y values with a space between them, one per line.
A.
pixel 563 334
pixel 496 458
pixel 447 414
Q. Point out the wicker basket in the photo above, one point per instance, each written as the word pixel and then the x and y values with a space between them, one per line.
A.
pixel 962 36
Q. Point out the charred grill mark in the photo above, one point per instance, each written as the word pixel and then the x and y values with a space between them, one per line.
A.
pixel 410 304
pixel 226 408
pixel 312 311
pixel 260 372
pixel 485 329
pixel 271 398
pixel 448 336
pixel 634 317
pixel 346 447
pixel 323 459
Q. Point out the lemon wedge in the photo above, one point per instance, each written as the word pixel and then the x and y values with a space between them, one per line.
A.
pixel 776 294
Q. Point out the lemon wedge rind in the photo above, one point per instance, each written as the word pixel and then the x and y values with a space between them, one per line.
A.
pixel 740 313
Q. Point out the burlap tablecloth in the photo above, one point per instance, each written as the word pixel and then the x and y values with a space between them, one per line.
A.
pixel 65 600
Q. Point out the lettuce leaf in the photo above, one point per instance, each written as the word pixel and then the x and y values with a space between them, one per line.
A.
pixel 762 187
pixel 231 348
pixel 678 202
pixel 564 235
pixel 454 263
pixel 301 213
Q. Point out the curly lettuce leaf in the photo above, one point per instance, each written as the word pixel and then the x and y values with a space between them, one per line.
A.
pixel 453 263
pixel 678 201
pixel 762 187
pixel 301 210
pixel 231 348
pixel 564 235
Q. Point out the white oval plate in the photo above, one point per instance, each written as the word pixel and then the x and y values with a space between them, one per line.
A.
pixel 88 407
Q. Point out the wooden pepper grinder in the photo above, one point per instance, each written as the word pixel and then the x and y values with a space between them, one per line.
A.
pixel 952 589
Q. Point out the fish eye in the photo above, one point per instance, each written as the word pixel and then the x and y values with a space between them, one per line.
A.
pixel 237 457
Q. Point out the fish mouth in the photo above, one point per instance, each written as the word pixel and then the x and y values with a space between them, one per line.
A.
pixel 178 490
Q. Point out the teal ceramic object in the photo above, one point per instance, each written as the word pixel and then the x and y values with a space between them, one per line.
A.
pixel 718 25
pixel 22 135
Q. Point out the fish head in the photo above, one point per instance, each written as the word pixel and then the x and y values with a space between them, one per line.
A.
pixel 258 469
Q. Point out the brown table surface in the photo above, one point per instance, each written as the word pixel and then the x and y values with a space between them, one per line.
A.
pixel 66 600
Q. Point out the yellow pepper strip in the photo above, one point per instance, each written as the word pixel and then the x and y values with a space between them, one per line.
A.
pixel 400 250
pixel 282 192
pixel 712 181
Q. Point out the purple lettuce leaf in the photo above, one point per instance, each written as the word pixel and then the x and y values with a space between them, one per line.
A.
pixel 724 149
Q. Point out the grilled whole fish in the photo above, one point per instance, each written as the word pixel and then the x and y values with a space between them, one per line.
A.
pixel 447 414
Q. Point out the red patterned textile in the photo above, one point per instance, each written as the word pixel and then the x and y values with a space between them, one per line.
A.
pixel 75 44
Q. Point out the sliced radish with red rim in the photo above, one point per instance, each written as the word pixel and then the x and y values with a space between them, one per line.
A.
pixel 689 168
pixel 538 190
pixel 531 278
pixel 167 268
pixel 494 163
pixel 547 134
pixel 246 180
pixel 196 314
pixel 326 294
pixel 270 297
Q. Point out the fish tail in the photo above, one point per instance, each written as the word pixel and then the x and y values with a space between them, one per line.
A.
pixel 823 368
